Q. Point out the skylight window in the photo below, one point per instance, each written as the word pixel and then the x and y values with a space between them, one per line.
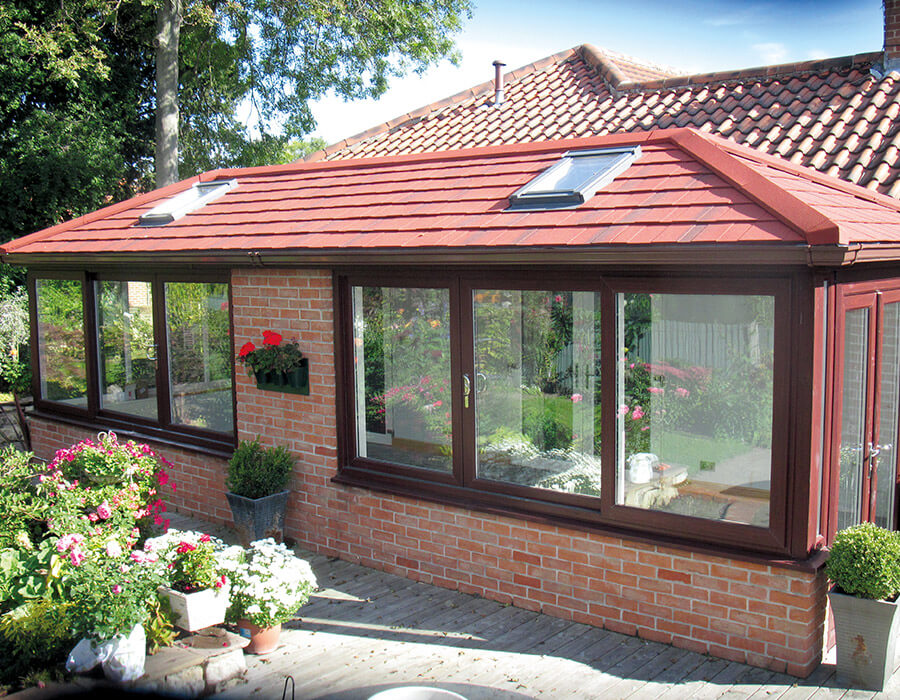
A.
pixel 201 194
pixel 574 179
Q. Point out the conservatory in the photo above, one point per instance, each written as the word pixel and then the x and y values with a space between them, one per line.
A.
pixel 636 381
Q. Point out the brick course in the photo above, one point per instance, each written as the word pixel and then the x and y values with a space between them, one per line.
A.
pixel 750 612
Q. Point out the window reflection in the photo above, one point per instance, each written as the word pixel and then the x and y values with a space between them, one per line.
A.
pixel 60 330
pixel 694 407
pixel 402 361
pixel 127 347
pixel 199 351
pixel 537 388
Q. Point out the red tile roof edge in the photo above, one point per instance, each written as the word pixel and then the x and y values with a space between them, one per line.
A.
pixel 617 80
pixel 785 69
pixel 727 159
pixel 815 227
pixel 807 173
pixel 174 188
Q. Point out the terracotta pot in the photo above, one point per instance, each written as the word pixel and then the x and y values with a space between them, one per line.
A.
pixel 262 639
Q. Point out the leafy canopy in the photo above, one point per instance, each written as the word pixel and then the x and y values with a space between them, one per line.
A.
pixel 77 87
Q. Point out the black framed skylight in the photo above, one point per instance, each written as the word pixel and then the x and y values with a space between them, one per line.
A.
pixel 200 194
pixel 574 179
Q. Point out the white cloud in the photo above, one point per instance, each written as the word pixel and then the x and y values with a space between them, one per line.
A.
pixel 771 52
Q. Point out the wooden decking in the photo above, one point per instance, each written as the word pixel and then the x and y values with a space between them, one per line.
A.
pixel 366 631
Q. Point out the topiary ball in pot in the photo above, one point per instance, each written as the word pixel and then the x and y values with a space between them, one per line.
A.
pixel 256 481
pixel 865 562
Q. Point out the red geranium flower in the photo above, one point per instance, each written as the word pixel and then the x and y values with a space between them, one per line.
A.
pixel 246 349
pixel 271 338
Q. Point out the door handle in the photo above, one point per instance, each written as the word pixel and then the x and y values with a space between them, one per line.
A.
pixel 480 377
pixel 467 389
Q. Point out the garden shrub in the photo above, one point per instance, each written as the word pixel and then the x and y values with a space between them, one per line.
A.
pixel 20 513
pixel 255 471
pixel 35 634
pixel 865 562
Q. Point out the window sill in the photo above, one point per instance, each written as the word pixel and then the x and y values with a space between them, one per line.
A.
pixel 211 448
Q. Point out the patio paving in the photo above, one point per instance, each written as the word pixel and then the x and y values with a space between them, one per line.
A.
pixel 367 631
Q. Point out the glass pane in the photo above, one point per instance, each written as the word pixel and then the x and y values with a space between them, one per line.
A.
pixel 199 349
pixel 402 361
pixel 695 405
pixel 887 424
pixel 127 349
pixel 60 318
pixel 537 388
pixel 853 421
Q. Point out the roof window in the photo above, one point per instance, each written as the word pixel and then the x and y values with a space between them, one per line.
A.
pixel 574 179
pixel 201 194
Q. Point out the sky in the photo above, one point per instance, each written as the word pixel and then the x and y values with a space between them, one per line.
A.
pixel 688 35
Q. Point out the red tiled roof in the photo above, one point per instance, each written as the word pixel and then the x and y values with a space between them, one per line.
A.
pixel 833 115
pixel 686 188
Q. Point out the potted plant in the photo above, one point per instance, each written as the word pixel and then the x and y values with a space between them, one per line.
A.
pixel 198 588
pixel 277 365
pixel 864 566
pixel 268 584
pixel 256 481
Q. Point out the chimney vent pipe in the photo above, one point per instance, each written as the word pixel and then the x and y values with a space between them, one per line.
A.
pixel 498 82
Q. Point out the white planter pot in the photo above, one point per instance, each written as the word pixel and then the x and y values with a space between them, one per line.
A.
pixel 866 632
pixel 194 611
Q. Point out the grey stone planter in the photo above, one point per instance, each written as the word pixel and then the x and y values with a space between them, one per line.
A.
pixel 258 518
pixel 866 632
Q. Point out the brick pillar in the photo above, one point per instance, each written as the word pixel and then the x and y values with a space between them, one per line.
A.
pixel 892 35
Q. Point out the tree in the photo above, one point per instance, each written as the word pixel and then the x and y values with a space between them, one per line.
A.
pixel 78 87
pixel 276 57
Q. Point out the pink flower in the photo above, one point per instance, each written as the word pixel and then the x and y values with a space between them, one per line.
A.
pixel 637 413
pixel 93 517
pixel 116 589
pixel 224 306
pixel 162 478
pixel 104 511
pixel 576 398
pixel 76 556
pixel 682 392
pixel 656 390
pixel 558 298
pixel 205 538
pixel 623 409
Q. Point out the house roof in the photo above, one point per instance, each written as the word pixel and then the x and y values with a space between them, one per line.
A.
pixel 687 189
pixel 836 115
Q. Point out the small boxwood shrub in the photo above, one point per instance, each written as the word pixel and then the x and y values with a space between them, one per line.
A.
pixel 255 471
pixel 865 562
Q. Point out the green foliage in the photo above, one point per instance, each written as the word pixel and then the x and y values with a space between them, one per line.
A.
pixel 34 636
pixel 158 626
pixel 194 567
pixel 15 370
pixel 255 471
pixel 107 601
pixel 271 357
pixel 865 562
pixel 77 88
pixel 19 511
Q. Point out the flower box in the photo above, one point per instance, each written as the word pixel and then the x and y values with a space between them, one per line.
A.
pixel 194 611
pixel 295 381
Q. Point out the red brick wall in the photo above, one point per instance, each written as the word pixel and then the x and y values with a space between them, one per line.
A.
pixel 763 615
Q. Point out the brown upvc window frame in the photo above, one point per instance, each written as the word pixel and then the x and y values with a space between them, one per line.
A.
pixel 462 488
pixel 94 416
